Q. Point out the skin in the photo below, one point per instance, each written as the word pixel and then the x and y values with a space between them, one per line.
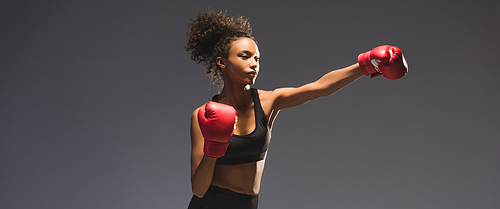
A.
pixel 240 69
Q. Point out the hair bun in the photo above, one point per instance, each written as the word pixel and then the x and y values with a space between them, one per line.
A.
pixel 207 28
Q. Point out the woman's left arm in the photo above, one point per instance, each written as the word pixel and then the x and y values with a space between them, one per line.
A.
pixel 383 60
pixel 328 84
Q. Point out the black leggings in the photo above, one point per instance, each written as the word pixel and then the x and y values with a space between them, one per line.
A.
pixel 220 198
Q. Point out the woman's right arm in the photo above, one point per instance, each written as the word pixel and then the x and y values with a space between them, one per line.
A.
pixel 202 167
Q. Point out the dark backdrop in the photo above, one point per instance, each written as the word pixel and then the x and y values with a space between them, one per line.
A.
pixel 96 97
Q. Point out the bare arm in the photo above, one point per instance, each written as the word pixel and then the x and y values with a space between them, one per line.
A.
pixel 202 167
pixel 326 85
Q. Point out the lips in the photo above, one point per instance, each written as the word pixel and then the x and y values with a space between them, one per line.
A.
pixel 253 73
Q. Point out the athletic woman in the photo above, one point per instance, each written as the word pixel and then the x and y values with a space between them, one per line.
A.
pixel 230 133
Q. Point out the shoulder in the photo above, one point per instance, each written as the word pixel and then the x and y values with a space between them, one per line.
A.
pixel 194 115
pixel 263 93
pixel 265 96
pixel 195 111
pixel 267 99
pixel 273 95
pixel 287 97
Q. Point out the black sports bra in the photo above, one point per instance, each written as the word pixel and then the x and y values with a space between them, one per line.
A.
pixel 251 147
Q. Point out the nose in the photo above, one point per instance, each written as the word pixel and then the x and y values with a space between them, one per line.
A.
pixel 254 63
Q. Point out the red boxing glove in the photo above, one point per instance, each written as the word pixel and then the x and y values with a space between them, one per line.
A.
pixel 217 123
pixel 383 60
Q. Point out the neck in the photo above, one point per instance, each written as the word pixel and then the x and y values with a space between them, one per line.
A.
pixel 239 96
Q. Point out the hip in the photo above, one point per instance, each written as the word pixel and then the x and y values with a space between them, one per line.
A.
pixel 220 198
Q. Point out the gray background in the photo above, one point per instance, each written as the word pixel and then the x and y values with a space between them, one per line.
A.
pixel 96 97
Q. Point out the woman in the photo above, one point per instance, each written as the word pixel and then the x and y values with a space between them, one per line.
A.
pixel 231 133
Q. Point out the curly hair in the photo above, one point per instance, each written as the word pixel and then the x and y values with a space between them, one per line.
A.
pixel 210 36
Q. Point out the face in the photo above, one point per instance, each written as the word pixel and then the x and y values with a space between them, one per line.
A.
pixel 242 63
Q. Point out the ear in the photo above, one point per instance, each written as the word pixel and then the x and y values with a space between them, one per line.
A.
pixel 220 62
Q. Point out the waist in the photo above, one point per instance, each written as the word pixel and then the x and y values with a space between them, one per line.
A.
pixel 221 198
pixel 242 178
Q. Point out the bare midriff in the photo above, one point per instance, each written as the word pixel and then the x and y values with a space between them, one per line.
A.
pixel 243 178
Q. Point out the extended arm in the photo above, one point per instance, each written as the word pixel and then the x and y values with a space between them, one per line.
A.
pixel 326 85
pixel 383 60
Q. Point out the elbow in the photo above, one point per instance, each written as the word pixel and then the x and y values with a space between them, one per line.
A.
pixel 198 192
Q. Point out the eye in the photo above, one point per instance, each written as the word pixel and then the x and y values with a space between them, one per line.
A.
pixel 244 56
pixel 257 58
